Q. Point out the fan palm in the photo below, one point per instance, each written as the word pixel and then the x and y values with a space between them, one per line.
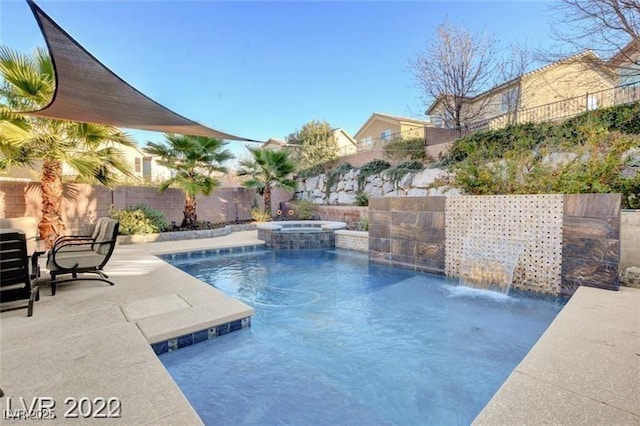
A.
pixel 193 159
pixel 265 170
pixel 90 149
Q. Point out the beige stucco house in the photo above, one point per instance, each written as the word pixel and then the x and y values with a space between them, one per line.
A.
pixel 626 64
pixel 382 128
pixel 558 90
pixel 132 155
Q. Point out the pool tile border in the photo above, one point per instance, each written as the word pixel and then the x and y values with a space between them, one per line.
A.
pixel 189 339
pixel 197 254
pixel 205 334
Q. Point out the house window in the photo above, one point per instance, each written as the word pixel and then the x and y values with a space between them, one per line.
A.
pixel 630 75
pixel 509 100
pixel 138 165
pixel 592 102
pixel 386 135
pixel 366 141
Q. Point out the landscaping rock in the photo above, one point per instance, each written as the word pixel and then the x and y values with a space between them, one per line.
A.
pixel 630 277
pixel 426 177
pixel 417 192
pixel 555 160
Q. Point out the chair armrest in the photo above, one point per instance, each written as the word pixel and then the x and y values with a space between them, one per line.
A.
pixel 35 270
pixel 65 239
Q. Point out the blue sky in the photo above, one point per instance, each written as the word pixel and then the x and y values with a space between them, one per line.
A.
pixel 263 69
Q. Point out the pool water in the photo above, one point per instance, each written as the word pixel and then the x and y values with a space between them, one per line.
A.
pixel 337 340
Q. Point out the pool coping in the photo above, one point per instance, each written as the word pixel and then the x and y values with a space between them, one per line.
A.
pixel 82 343
pixel 584 369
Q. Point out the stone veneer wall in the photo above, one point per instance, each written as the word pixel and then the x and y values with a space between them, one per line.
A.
pixel 534 220
pixel 569 240
pixel 408 232
pixel 352 240
pixel 590 241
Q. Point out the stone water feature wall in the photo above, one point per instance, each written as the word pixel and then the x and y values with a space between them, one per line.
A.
pixel 534 220
pixel 408 232
pixel 590 241
pixel 569 240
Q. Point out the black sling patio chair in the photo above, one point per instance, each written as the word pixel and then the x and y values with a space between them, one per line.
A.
pixel 83 257
pixel 16 280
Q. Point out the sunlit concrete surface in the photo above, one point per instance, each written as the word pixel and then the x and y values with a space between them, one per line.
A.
pixel 92 340
pixel 585 369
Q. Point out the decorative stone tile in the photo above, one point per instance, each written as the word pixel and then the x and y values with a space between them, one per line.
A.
pixel 186 340
pixel 592 205
pixel 592 249
pixel 534 219
pixel 601 227
pixel 173 344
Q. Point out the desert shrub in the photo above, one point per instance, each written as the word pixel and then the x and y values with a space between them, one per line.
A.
pixel 398 172
pixel 140 219
pixel 362 199
pixel 371 168
pixel 332 176
pixel 260 215
pixel 305 210
pixel 363 224
pixel 597 169
pixel 621 118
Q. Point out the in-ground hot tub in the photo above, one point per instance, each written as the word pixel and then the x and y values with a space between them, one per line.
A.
pixel 299 234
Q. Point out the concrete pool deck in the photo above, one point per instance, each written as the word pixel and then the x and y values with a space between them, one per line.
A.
pixel 93 340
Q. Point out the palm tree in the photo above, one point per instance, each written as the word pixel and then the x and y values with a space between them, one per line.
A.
pixel 267 169
pixel 193 159
pixel 90 149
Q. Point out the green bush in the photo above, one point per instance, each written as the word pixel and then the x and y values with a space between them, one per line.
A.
pixel 140 219
pixel 260 215
pixel 371 168
pixel 363 224
pixel 398 172
pixel 362 199
pixel 333 175
pixel 597 169
pixel 305 210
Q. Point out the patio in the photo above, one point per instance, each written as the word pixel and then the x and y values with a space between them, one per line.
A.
pixel 93 340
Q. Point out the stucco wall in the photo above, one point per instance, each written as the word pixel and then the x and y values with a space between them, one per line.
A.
pixel 629 238
pixel 375 128
pixel 83 203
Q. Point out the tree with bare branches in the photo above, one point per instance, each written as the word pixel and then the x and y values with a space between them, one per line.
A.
pixel 603 26
pixel 456 66
pixel 511 67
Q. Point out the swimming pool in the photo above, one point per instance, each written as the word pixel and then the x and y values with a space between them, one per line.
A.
pixel 336 340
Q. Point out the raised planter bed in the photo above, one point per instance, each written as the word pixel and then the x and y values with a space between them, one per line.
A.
pixel 184 235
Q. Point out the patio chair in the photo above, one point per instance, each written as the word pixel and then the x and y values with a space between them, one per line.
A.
pixel 26 224
pixel 83 256
pixel 67 239
pixel 16 280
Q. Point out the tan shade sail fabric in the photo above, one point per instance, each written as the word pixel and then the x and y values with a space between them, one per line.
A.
pixel 87 91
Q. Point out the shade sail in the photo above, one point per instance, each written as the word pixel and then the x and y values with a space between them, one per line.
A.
pixel 88 91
